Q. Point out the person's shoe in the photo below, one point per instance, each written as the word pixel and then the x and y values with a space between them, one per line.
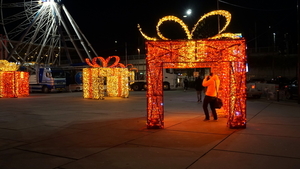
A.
pixel 215 120
pixel 206 120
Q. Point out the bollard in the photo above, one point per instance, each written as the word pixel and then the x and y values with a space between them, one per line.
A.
pixel 277 92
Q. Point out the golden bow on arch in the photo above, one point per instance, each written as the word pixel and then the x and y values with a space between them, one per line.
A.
pixel 189 34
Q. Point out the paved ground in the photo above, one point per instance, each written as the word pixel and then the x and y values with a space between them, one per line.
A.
pixel 65 131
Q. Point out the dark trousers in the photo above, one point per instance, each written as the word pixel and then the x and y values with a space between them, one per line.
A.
pixel 186 86
pixel 209 100
pixel 199 95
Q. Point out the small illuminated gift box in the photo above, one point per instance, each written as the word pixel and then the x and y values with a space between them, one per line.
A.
pixel 112 79
pixel 12 83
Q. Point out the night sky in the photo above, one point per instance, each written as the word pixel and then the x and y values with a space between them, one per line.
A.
pixel 104 22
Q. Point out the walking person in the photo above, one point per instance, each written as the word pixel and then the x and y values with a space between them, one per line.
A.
pixel 199 88
pixel 212 82
pixel 185 84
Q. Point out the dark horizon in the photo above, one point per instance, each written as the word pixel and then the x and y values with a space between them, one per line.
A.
pixel 116 21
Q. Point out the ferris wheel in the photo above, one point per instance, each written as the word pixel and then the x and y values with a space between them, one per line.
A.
pixel 41 32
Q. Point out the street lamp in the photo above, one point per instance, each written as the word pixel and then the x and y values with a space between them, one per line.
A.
pixel 188 13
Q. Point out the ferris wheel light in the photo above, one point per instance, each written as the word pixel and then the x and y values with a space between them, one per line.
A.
pixel 44 1
pixel 35 19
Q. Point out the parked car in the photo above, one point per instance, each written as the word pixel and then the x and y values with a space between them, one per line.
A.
pixel 256 80
pixel 281 81
pixel 291 90
pixel 252 91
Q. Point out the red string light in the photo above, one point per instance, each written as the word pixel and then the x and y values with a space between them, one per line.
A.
pixel 14 84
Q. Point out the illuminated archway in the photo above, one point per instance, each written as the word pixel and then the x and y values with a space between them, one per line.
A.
pixel 226 58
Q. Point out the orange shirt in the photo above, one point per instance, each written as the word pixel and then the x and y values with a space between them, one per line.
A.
pixel 211 89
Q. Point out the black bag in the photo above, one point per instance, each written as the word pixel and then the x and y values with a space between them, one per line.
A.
pixel 218 103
